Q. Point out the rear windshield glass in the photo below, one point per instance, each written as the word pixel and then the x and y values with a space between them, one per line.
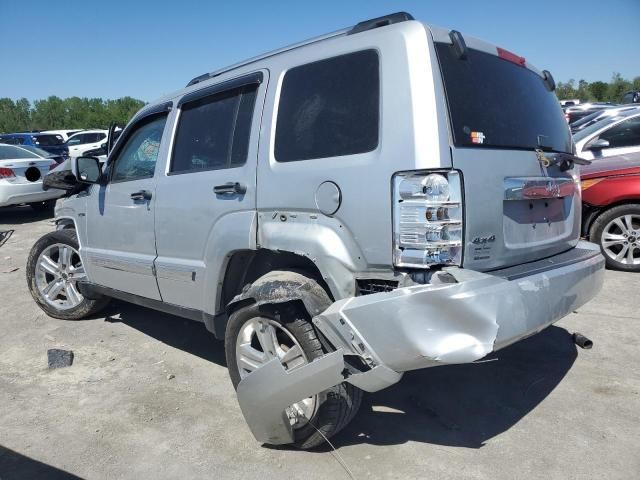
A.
pixel 494 103
pixel 48 140
pixel 9 152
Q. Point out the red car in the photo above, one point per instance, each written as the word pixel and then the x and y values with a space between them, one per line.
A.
pixel 611 209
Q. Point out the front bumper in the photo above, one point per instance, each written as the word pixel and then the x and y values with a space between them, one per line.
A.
pixel 459 321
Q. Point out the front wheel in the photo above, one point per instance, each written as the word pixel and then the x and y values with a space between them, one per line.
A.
pixel 617 231
pixel 54 268
pixel 256 335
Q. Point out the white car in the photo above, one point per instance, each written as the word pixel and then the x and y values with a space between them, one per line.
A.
pixel 615 135
pixel 21 173
pixel 64 133
pixel 86 140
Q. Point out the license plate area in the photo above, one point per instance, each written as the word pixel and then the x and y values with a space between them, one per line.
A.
pixel 536 221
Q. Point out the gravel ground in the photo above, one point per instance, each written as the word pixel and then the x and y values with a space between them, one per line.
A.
pixel 148 396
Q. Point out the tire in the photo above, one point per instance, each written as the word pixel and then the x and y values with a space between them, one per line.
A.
pixel 608 231
pixel 335 407
pixel 42 207
pixel 39 278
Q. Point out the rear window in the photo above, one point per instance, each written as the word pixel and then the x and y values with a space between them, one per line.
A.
pixel 49 140
pixel 494 103
pixel 9 152
pixel 329 108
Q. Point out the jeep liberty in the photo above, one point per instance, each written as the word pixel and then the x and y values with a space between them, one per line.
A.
pixel 388 197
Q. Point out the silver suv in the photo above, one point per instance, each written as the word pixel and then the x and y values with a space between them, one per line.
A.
pixel 385 198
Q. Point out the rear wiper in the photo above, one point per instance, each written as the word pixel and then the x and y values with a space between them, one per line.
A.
pixel 564 161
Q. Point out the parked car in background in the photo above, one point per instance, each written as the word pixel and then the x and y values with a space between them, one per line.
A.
pixel 576 112
pixel 21 173
pixel 632 96
pixel 610 136
pixel 570 102
pixel 64 133
pixel 43 153
pixel 51 142
pixel 611 209
pixel 598 115
pixel 85 140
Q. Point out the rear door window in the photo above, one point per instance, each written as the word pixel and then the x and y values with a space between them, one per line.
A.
pixel 329 108
pixel 213 132
pixel 495 103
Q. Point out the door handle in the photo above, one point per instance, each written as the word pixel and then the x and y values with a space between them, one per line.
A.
pixel 141 195
pixel 231 188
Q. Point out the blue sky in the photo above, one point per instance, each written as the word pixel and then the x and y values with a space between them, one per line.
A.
pixel 147 48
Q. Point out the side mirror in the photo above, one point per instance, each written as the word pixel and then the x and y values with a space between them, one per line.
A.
pixel 599 144
pixel 88 170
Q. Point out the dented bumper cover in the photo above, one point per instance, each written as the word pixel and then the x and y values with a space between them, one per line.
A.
pixel 420 326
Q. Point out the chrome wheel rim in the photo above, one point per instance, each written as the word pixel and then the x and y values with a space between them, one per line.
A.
pixel 58 270
pixel 621 239
pixel 261 340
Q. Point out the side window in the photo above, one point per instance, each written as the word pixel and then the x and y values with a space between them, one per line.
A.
pixel 138 156
pixel 625 134
pixel 329 108
pixel 75 140
pixel 213 132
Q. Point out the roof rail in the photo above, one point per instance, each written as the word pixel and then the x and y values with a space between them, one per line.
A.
pixel 383 21
pixel 206 76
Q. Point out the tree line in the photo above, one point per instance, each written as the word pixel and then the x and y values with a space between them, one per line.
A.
pixel 56 113
pixel 597 91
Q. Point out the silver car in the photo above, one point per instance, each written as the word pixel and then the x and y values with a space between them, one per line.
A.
pixel 613 135
pixel 389 197
pixel 21 173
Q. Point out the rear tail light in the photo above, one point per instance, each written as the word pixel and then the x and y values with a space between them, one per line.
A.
pixel 427 222
pixel 6 172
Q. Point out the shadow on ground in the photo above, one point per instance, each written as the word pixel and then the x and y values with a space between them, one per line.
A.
pixel 187 335
pixel 14 466
pixel 21 215
pixel 455 405
pixel 465 405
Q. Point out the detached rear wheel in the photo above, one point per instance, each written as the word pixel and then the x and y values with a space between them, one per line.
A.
pixel 256 335
pixel 617 231
pixel 54 268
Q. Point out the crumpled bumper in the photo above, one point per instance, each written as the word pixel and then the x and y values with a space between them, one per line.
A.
pixel 422 326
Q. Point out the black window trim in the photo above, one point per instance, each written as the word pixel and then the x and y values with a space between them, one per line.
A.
pixel 255 78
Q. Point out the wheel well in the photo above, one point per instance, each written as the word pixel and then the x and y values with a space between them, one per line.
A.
pixel 64 224
pixel 596 211
pixel 246 266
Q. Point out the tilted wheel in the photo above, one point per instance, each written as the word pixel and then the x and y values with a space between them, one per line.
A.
pixel 617 231
pixel 255 335
pixel 54 268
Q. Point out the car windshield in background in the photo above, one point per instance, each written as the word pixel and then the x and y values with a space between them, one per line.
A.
pixel 49 140
pixel 494 103
pixel 9 152
pixel 585 132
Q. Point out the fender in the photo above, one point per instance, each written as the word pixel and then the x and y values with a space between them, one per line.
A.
pixel 282 287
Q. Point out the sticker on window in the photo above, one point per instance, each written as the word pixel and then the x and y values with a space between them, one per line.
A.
pixel 477 137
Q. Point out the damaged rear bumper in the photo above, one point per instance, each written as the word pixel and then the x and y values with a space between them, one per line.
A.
pixel 420 326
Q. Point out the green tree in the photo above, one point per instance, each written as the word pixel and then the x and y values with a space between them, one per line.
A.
pixel 617 87
pixel 566 90
pixel 599 90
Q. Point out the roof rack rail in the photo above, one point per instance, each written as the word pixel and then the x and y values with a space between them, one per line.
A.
pixel 383 21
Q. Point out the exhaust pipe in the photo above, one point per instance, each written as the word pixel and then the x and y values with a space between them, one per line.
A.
pixel 582 341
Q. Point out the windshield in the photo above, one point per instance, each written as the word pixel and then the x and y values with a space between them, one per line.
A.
pixel 494 103
pixel 585 132
pixel 9 152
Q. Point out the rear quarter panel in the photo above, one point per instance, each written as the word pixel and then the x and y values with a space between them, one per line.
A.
pixel 613 190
